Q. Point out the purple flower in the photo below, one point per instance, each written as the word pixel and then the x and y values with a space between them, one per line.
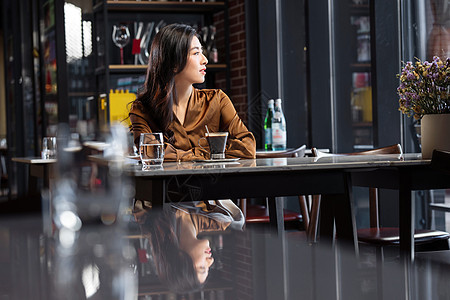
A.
pixel 424 87
pixel 410 76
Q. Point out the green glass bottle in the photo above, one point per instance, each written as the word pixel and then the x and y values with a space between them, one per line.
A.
pixel 278 127
pixel 268 126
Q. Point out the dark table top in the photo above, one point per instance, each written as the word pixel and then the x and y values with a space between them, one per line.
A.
pixel 280 164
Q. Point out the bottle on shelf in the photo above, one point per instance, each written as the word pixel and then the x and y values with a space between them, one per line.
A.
pixel 268 126
pixel 278 127
pixel 213 53
pixel 212 49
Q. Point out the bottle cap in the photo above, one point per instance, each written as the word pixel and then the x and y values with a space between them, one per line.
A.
pixel 270 101
pixel 278 100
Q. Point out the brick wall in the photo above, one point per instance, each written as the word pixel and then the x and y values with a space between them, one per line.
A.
pixel 244 269
pixel 238 67
pixel 238 268
pixel 241 272
pixel 242 256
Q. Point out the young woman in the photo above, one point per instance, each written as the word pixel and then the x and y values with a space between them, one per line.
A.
pixel 170 104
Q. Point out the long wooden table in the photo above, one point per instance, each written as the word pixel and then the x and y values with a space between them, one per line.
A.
pixel 331 177
pixel 276 177
pixel 272 178
pixel 328 176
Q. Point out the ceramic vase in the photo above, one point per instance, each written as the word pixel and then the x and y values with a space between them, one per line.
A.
pixel 435 132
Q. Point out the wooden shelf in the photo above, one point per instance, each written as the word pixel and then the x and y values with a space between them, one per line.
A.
pixel 81 94
pixel 161 6
pixel 362 124
pixel 141 69
pixel 128 68
pixel 359 9
pixel 360 67
pixel 51 97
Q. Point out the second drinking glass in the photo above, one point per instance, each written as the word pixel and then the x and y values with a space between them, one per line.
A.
pixel 48 147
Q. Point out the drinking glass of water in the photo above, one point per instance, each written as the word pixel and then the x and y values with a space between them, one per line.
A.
pixel 48 147
pixel 151 150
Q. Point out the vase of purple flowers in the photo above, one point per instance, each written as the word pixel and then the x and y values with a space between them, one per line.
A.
pixel 424 94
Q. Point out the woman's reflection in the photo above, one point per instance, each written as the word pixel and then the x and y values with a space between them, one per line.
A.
pixel 182 258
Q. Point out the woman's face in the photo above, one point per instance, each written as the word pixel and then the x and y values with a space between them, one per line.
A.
pixel 195 69
pixel 202 258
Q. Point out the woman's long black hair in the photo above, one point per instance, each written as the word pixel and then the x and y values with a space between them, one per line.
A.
pixel 168 56
pixel 174 266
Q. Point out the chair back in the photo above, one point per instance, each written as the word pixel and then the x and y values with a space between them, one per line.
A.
pixel 441 160
pixel 392 149
pixel 373 192
pixel 297 152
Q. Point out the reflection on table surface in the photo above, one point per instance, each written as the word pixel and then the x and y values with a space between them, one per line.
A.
pixel 294 163
pixel 141 256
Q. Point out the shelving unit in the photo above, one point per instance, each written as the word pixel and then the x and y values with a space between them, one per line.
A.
pixel 354 84
pixel 111 75
pixel 53 86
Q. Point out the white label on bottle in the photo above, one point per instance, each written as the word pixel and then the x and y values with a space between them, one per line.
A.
pixel 278 135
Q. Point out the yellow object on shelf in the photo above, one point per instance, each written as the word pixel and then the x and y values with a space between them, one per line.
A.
pixel 119 104
pixel 102 112
pixel 362 100
pixel 367 104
